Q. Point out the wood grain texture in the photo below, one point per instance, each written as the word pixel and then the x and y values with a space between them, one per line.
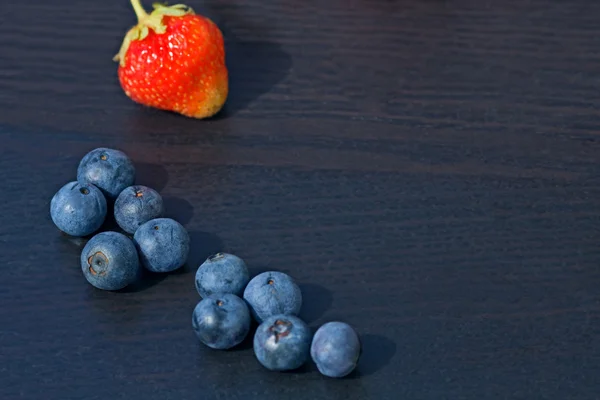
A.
pixel 427 170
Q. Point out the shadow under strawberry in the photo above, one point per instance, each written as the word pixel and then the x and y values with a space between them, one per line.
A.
pixel 254 67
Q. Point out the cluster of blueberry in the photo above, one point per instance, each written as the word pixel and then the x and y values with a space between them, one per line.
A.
pixel 111 260
pixel 230 299
pixel 282 340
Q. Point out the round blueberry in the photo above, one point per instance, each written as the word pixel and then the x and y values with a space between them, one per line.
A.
pixel 222 273
pixel 163 244
pixel 136 205
pixel 282 343
pixel 335 349
pixel 108 169
pixel 78 209
pixel 109 261
pixel 272 293
pixel 221 321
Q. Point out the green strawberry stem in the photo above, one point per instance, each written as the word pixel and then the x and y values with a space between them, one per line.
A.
pixel 146 21
pixel 140 13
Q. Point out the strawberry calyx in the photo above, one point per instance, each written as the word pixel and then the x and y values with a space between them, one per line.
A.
pixel 146 21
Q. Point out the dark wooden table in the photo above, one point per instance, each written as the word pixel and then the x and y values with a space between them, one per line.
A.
pixel 428 171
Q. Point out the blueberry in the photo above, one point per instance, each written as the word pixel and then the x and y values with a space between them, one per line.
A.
pixel 109 261
pixel 110 170
pixel 335 349
pixel 221 321
pixel 272 293
pixel 136 205
pixel 222 273
pixel 163 244
pixel 78 209
pixel 282 343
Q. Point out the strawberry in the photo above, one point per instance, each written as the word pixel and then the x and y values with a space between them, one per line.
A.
pixel 174 59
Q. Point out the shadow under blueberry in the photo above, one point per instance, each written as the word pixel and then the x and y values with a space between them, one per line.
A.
pixel 74 242
pixel 377 352
pixel 305 368
pixel 178 209
pixel 146 280
pixel 316 300
pixel 151 175
pixel 110 224
pixel 248 342
pixel 202 245
pixel 79 242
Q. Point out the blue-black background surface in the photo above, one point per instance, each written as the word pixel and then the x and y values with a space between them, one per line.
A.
pixel 428 171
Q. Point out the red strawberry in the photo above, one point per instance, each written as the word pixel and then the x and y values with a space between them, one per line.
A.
pixel 174 59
